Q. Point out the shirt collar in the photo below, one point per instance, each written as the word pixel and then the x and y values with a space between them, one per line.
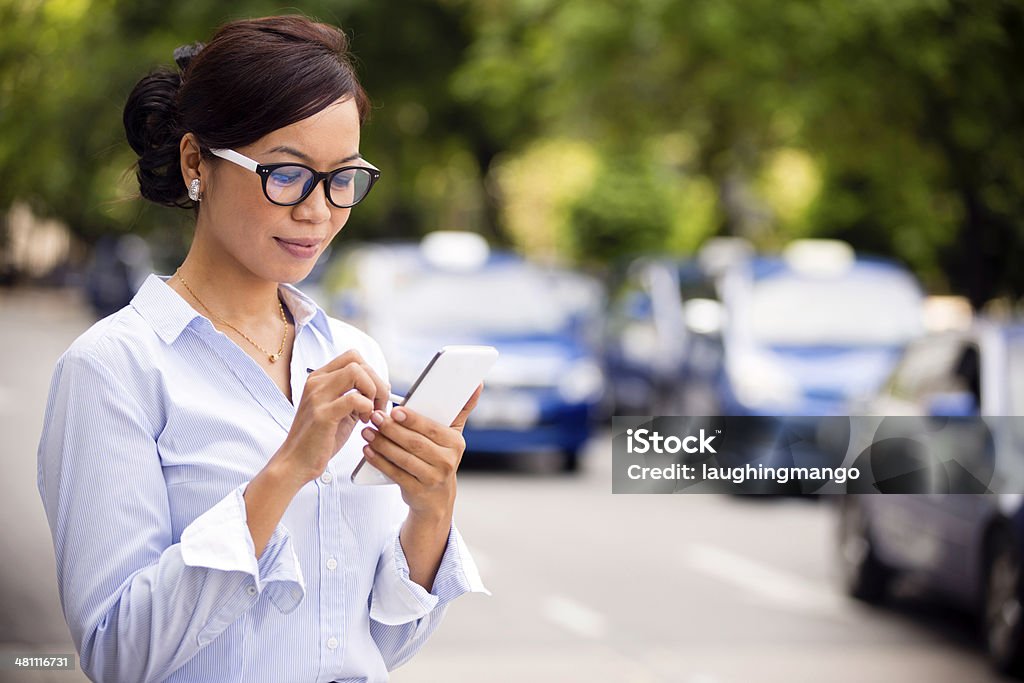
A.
pixel 304 310
pixel 169 314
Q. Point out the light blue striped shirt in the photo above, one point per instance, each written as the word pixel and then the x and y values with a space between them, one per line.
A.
pixel 155 423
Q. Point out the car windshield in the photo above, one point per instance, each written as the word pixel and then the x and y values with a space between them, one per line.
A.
pixel 504 302
pixel 697 288
pixel 695 282
pixel 854 311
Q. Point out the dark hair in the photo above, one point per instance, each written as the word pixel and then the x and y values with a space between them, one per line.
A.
pixel 253 77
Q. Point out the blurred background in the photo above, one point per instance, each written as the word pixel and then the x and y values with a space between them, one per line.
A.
pixel 692 207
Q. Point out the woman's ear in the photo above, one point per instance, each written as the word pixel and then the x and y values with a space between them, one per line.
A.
pixel 188 151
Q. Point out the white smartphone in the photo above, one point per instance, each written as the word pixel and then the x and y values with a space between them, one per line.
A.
pixel 439 393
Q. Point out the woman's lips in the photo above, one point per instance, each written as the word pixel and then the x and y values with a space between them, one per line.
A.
pixel 303 249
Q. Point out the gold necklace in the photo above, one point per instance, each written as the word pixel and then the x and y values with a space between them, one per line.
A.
pixel 272 357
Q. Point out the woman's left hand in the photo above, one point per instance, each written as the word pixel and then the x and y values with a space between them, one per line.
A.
pixel 420 455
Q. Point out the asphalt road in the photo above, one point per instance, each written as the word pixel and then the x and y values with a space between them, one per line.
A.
pixel 588 586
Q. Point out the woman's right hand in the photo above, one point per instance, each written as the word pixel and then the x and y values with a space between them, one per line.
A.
pixel 337 396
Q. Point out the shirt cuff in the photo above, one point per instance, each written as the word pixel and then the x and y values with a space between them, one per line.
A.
pixel 220 539
pixel 397 599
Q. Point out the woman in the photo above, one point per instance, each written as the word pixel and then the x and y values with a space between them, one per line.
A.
pixel 195 475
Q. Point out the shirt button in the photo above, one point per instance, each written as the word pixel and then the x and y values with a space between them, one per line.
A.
pixel 332 643
pixel 251 590
pixel 327 477
pixel 332 564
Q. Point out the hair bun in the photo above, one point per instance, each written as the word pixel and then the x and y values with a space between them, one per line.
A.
pixel 184 54
pixel 153 131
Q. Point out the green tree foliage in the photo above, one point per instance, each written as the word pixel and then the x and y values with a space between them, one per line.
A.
pixel 900 118
pixel 924 147
pixel 626 210
pixel 908 108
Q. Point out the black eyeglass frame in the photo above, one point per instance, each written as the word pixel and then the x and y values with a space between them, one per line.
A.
pixel 264 171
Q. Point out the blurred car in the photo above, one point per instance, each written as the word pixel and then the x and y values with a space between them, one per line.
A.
pixel 117 267
pixel 662 327
pixel 964 548
pixel 646 334
pixel 807 332
pixel 546 390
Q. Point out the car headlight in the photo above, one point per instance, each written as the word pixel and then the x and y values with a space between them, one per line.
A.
pixel 582 383
pixel 759 381
pixel 505 409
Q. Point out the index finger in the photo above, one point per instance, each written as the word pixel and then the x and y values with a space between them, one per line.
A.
pixel 380 399
pixel 460 420
pixel 340 361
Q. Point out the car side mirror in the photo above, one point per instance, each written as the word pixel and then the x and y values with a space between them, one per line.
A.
pixel 952 404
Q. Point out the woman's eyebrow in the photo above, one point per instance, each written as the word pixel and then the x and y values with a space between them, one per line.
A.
pixel 305 157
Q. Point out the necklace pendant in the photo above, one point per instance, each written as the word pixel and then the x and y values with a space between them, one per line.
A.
pixel 273 357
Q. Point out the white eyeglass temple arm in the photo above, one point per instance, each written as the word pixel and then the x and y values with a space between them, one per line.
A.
pixel 251 164
pixel 235 157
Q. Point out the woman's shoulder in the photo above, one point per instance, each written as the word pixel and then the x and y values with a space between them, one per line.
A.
pixel 116 356
pixel 121 338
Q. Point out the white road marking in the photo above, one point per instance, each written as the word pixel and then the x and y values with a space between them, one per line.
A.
pixel 574 616
pixel 768 584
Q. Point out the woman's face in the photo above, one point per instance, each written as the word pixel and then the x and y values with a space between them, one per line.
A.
pixel 241 223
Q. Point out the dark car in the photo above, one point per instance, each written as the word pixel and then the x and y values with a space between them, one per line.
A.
pixel 966 548
pixel 662 329
pixel 116 269
pixel 646 335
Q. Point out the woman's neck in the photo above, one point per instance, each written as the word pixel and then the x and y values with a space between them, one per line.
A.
pixel 225 289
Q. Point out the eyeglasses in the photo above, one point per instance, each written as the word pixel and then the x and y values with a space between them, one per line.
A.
pixel 289 183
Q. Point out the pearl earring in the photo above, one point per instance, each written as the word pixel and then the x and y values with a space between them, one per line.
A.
pixel 193 190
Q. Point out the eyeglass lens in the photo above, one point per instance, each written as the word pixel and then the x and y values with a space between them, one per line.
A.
pixel 291 184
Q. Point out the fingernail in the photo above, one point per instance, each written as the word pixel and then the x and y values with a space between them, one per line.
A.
pixel 398 414
pixel 368 452
pixel 369 434
pixel 377 418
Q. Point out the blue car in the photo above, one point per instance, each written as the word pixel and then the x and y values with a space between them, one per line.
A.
pixel 965 548
pixel 546 390
pixel 808 332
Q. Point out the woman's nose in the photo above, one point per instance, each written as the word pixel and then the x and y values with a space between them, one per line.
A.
pixel 315 208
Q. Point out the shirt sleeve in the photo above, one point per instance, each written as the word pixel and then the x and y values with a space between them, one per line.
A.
pixel 139 606
pixel 403 614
